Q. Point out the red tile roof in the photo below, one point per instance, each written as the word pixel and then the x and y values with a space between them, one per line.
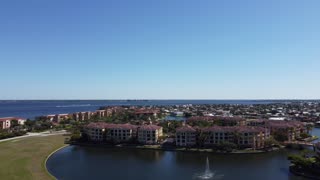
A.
pixel 150 127
pixel 283 124
pixel 10 118
pixel 240 129
pixel 219 129
pixel 214 118
pixel 146 111
pixel 103 125
pixel 186 128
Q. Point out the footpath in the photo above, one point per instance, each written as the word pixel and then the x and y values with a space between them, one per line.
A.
pixel 40 134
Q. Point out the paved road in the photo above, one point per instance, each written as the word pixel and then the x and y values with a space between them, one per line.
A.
pixel 46 133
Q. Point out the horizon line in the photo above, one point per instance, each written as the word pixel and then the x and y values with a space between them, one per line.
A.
pixel 235 99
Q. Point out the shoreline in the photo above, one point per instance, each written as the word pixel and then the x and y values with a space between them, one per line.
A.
pixel 45 161
pixel 173 149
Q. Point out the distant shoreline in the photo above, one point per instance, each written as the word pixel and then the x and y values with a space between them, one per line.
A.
pixel 291 99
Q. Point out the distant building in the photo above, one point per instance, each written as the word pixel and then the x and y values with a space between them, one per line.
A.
pixel 82 116
pixel 75 116
pixel 60 117
pixel 101 113
pixel 146 112
pixel 177 113
pixel 49 117
pixel 277 118
pixel 229 121
pixel 6 122
pixel 256 122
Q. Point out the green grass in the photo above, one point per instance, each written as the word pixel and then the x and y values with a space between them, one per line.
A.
pixel 24 158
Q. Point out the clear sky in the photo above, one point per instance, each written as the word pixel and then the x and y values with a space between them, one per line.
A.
pixel 159 49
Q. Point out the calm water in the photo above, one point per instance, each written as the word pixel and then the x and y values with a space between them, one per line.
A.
pixel 32 108
pixel 76 162
pixel 114 164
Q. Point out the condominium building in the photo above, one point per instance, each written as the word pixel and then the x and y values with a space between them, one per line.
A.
pixel 149 134
pixel 121 132
pixel 101 113
pixel 293 129
pixel 251 137
pixel 60 117
pixel 243 136
pixel 218 134
pixel 6 122
pixel 82 116
pixel 229 121
pixel 96 131
pixel 75 116
pixel 186 136
pixel 116 133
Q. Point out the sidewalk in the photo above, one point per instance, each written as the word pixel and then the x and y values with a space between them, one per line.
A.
pixel 46 133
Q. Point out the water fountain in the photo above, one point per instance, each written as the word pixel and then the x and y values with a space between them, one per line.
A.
pixel 208 174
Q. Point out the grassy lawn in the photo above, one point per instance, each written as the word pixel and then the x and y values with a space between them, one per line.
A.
pixel 24 158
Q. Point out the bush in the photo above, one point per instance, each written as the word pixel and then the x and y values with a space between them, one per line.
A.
pixel 227 147
pixel 304 135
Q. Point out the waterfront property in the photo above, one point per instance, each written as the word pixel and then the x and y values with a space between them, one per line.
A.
pixel 186 136
pixel 291 129
pixel 243 136
pixel 149 134
pixel 251 137
pixel 120 133
pixel 217 134
pixel 95 131
pixel 117 133
pixel 6 122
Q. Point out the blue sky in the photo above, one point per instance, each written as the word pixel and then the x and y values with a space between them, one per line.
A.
pixel 168 49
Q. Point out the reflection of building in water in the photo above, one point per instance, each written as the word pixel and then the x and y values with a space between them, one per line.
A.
pixel 146 155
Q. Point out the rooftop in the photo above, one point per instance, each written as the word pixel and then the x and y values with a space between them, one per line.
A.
pixel 150 127
pixel 185 128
